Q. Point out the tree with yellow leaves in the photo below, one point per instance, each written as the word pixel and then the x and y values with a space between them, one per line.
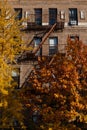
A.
pixel 11 45
pixel 58 91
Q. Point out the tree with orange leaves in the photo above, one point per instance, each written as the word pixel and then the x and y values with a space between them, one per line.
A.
pixel 58 91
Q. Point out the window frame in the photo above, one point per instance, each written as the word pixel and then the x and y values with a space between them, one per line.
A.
pixel 38 16
pixel 39 52
pixel 19 13
pixel 53 49
pixel 52 16
pixel 73 16
pixel 73 37
pixel 16 77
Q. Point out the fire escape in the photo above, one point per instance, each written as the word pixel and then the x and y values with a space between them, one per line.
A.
pixel 43 31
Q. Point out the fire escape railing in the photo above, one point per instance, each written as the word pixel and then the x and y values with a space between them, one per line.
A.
pixel 31 26
pixel 45 37
pixel 32 52
pixel 34 26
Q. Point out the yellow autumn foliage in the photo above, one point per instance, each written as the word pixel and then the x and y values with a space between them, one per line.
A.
pixel 11 44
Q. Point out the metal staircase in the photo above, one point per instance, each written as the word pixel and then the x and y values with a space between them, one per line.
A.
pixel 30 54
pixel 44 38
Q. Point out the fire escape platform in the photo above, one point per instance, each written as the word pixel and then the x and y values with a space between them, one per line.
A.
pixel 31 26
pixel 33 54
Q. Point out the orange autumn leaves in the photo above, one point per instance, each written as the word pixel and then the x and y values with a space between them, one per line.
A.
pixel 60 87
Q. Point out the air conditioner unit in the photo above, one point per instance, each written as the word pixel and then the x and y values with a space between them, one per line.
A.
pixel 73 22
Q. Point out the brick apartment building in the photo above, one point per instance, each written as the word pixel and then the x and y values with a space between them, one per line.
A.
pixel 49 22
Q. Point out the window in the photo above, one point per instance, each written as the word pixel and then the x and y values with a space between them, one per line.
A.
pixel 53 45
pixel 62 14
pixel 74 37
pixel 37 41
pixel 16 77
pixel 82 14
pixel 52 16
pixel 38 16
pixel 73 20
pixel 19 13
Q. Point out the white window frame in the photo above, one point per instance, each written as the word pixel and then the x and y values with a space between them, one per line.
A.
pixel 82 14
pixel 62 14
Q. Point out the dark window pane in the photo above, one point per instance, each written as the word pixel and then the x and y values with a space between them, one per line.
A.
pixel 37 41
pixel 74 37
pixel 52 16
pixel 38 16
pixel 19 13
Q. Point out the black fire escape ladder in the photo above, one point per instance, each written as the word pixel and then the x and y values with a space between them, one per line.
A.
pixel 41 43
pixel 31 45
pixel 44 38
pixel 40 35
